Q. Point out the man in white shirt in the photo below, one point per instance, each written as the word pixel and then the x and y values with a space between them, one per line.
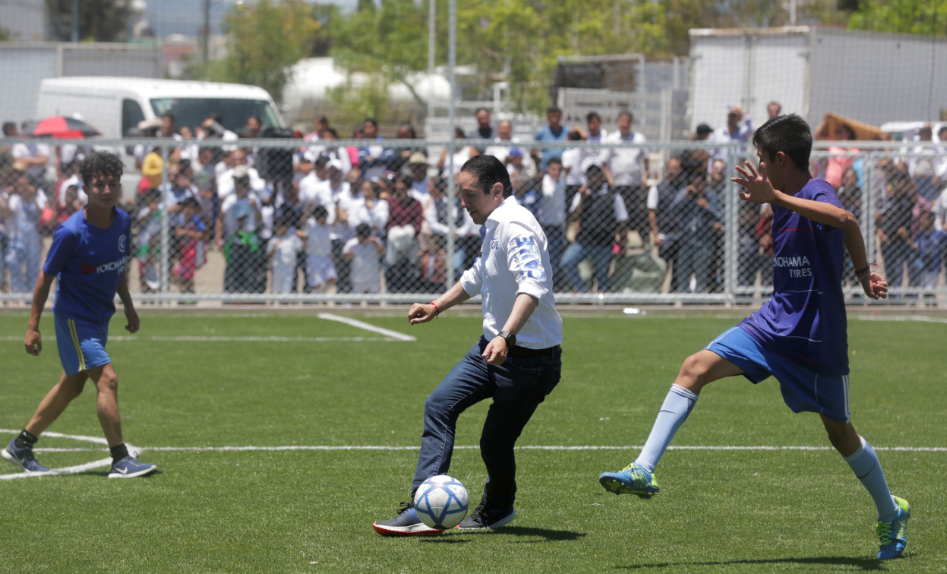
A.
pixel 738 129
pixel 504 134
pixel 551 214
pixel 225 184
pixel 517 361
pixel 626 168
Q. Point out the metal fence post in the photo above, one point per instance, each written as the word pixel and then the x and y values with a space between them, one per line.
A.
pixel 165 222
pixel 731 223
pixel 868 201
pixel 452 60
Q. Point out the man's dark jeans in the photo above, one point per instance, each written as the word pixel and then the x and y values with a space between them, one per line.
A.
pixel 517 387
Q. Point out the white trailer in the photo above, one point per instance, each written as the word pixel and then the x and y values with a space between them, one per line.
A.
pixel 867 76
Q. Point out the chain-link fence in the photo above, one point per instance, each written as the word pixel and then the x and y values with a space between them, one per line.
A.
pixel 349 221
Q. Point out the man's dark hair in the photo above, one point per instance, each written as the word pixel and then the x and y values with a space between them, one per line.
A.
pixel 789 134
pixel 476 113
pixel 407 180
pixel 320 211
pixel 285 219
pixel 554 160
pixel 170 116
pixel 321 162
pixel 630 115
pixel 594 168
pixel 411 130
pixel 9 128
pixel 332 132
pixel 363 230
pixel 184 165
pixel 574 136
pixel 553 110
pixel 190 202
pixel 593 116
pixel 372 121
pixel 489 170
pixel 101 163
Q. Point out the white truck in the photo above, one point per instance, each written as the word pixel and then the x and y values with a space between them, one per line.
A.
pixel 867 76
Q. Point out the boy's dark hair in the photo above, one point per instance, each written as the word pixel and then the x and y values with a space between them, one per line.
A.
pixel 363 230
pixel 320 211
pixel 190 202
pixel 489 170
pixel 101 163
pixel 593 116
pixel 553 110
pixel 555 160
pixel 284 219
pixel 789 134
pixel 574 136
pixel 372 121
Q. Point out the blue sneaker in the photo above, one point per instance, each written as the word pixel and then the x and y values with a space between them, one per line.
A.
pixel 407 523
pixel 894 535
pixel 22 457
pixel 631 480
pixel 128 467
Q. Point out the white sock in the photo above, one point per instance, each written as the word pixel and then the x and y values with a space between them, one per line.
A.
pixel 678 404
pixel 867 469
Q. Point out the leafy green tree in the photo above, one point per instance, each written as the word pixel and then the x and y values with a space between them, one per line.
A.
pixel 265 40
pixel 925 17
pixel 99 20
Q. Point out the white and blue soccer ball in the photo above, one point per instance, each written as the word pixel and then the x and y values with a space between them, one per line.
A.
pixel 441 502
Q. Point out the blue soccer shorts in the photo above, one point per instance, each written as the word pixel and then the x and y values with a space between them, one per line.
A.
pixel 803 389
pixel 81 344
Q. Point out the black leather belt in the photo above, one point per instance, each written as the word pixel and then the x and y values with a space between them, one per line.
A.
pixel 530 353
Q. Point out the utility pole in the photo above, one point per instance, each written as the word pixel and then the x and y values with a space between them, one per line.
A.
pixel 206 30
pixel 75 21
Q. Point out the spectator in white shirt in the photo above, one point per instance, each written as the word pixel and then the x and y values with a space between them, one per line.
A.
pixel 320 271
pixel 504 134
pixel 461 154
pixel 595 135
pixel 374 210
pixel 625 168
pixel 314 187
pixel 34 157
pixel 71 173
pixel 364 251
pixel 240 211
pixel 521 164
pixel 738 129
pixel 225 181
pixel 517 361
pixel 551 214
pixel 21 212
pixel 282 251
pixel 417 165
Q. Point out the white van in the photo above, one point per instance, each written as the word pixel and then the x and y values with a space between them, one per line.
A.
pixel 115 105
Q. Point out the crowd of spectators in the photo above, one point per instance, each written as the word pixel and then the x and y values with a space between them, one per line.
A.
pixel 316 217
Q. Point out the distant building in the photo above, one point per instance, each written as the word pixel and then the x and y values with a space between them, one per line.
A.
pixel 24 20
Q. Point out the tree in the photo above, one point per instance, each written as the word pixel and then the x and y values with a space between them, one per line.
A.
pixel 99 20
pixel 903 16
pixel 265 40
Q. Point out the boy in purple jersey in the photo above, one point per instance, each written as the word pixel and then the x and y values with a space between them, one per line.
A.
pixel 89 255
pixel 799 335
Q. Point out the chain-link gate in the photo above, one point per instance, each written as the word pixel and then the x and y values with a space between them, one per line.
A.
pixel 349 221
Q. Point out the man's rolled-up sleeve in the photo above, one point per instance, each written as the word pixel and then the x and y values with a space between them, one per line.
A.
pixel 525 261
pixel 472 279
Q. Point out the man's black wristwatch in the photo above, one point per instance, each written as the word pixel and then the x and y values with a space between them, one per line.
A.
pixel 510 338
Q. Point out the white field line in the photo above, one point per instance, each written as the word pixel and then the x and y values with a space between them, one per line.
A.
pixel 919 318
pixel 214 339
pixel 366 326
pixel 58 471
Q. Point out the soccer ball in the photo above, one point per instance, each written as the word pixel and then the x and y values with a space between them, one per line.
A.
pixel 441 502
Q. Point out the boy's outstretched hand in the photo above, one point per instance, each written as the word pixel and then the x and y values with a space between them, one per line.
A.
pixel 875 286
pixel 756 183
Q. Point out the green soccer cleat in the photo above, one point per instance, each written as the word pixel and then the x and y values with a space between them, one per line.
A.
pixel 893 535
pixel 631 480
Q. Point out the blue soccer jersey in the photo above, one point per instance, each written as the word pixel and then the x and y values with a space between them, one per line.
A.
pixel 90 262
pixel 804 320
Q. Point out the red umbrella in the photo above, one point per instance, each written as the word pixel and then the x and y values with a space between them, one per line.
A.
pixel 61 127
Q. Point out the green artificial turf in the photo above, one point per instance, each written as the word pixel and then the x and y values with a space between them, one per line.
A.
pixel 311 511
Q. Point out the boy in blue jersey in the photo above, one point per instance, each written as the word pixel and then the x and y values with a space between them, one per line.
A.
pixel 89 255
pixel 799 335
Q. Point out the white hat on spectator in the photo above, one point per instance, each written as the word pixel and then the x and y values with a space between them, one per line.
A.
pixel 241 172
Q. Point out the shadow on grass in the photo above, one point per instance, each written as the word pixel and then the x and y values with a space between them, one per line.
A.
pixel 548 534
pixel 863 563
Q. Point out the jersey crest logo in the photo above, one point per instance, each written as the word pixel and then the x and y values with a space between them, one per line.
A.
pixel 121 244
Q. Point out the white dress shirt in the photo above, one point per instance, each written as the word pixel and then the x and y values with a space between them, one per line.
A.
pixel 625 163
pixel 514 259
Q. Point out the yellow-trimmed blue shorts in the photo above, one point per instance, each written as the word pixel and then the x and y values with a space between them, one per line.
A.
pixel 803 389
pixel 81 344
